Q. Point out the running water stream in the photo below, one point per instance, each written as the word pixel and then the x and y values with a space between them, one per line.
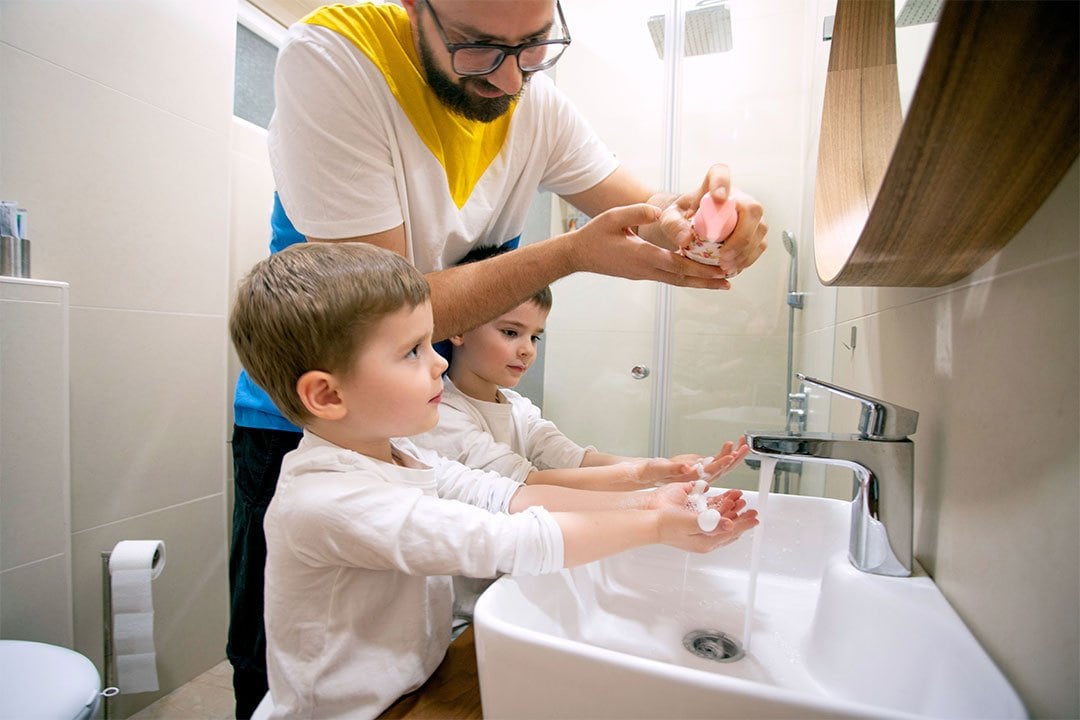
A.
pixel 768 465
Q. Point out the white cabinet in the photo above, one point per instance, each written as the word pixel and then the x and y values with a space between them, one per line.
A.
pixel 35 463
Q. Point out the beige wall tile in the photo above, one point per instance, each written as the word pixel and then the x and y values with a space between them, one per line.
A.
pixel 148 412
pixel 128 202
pixel 175 54
pixel 37 602
pixel 190 596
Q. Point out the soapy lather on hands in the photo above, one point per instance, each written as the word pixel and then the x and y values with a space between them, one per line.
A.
pixel 709 516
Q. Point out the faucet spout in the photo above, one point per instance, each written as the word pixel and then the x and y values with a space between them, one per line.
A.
pixel 883 504
pixel 882 457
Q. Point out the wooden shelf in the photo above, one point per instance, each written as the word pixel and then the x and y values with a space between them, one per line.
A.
pixel 993 126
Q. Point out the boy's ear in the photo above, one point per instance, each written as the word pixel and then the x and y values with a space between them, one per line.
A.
pixel 457 340
pixel 318 391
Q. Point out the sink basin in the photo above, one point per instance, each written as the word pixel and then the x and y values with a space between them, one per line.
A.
pixel 606 640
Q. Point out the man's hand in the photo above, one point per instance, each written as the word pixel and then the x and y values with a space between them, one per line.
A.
pixel 608 245
pixel 747 240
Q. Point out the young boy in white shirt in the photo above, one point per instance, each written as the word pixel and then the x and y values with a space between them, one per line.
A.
pixel 485 424
pixel 365 529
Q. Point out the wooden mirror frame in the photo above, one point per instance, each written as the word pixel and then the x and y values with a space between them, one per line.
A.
pixel 993 126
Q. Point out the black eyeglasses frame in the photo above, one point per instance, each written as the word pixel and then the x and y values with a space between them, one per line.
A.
pixel 506 50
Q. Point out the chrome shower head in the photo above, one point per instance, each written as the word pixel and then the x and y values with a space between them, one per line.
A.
pixel 707 29
pixel 919 12
pixel 789 242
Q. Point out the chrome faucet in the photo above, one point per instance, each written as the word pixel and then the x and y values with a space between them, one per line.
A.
pixel 882 457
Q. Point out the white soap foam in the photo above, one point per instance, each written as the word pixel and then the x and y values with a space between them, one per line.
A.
pixel 708 519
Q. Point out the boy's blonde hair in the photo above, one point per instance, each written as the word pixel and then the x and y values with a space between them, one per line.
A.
pixel 310 307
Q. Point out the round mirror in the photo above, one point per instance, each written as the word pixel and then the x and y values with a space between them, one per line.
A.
pixel 925 198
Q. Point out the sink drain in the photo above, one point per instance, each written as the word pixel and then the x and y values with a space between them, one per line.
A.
pixel 713 645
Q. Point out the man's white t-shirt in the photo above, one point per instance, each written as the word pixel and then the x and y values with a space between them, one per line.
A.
pixel 360 144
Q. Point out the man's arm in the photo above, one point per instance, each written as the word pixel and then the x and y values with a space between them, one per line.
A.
pixel 672 232
pixel 468 295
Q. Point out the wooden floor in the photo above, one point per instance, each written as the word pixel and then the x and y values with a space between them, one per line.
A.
pixel 451 693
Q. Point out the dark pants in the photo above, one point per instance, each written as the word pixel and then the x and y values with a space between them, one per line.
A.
pixel 257 458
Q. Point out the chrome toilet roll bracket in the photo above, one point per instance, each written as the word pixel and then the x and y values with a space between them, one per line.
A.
pixel 107 635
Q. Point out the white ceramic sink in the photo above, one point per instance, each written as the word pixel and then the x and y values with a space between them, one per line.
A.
pixel 606 640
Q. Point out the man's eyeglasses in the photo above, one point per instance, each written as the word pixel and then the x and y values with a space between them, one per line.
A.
pixel 485 58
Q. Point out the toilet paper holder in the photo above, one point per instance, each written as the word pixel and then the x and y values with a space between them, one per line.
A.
pixel 107 632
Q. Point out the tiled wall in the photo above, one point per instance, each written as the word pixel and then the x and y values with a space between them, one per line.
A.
pixel 114 133
pixel 991 365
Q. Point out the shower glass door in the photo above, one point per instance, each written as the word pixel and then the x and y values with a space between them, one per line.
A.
pixel 746 105
pixel 601 337
pixel 748 83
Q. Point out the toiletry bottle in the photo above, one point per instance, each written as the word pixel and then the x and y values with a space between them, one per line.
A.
pixel 713 224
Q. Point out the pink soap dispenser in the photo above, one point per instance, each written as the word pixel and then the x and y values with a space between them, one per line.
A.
pixel 713 224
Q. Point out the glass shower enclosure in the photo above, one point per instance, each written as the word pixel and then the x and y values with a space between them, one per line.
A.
pixel 639 368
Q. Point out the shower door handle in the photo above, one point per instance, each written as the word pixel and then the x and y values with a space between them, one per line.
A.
pixel 639 372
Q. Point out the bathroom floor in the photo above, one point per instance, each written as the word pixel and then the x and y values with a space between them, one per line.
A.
pixel 207 697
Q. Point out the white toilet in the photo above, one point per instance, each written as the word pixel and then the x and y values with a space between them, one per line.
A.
pixel 46 681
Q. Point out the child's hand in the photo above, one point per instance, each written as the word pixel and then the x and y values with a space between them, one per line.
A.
pixel 681 468
pixel 677 495
pixel 678 520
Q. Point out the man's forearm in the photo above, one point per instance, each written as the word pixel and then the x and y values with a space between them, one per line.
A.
pixel 469 295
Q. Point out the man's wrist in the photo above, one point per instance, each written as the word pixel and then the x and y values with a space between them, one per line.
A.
pixel 565 258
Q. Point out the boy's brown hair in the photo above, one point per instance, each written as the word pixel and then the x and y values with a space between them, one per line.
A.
pixel 310 307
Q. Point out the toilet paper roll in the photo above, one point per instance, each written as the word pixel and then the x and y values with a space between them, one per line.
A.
pixel 133 566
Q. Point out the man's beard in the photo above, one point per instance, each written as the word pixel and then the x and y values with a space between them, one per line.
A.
pixel 456 97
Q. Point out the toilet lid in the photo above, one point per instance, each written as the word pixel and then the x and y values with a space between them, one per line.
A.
pixel 45 681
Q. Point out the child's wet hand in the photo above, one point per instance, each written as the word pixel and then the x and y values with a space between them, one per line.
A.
pixel 679 528
pixel 729 503
pixel 671 496
pixel 731 528
pixel 660 471
pixel 728 458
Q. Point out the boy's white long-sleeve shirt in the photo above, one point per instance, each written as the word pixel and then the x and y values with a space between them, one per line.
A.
pixel 359 554
pixel 510 438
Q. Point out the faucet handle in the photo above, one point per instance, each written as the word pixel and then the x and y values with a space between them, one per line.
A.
pixel 880 420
